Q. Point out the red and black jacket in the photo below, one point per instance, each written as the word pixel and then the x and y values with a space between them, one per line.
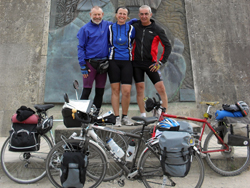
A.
pixel 145 47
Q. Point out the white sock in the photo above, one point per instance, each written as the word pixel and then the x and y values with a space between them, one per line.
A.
pixel 143 114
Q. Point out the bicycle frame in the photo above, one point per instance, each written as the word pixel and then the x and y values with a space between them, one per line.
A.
pixel 91 134
pixel 205 122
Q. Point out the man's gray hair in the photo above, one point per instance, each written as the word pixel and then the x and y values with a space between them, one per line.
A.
pixel 95 7
pixel 147 7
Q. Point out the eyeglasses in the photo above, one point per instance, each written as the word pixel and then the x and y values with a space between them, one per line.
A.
pixel 146 14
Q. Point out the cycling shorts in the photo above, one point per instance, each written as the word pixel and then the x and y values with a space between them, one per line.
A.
pixel 120 71
pixel 139 75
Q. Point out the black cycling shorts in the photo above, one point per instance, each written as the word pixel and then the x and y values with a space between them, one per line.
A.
pixel 139 75
pixel 120 71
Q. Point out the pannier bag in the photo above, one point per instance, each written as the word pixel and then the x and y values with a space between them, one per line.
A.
pixel 24 137
pixel 73 169
pixel 185 127
pixel 237 131
pixel 238 126
pixel 176 153
pixel 236 140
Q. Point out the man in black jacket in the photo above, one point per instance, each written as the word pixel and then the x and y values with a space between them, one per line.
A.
pixel 145 49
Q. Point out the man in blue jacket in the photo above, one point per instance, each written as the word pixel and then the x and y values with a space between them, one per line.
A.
pixel 93 46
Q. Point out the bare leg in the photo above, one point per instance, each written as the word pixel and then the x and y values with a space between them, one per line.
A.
pixel 115 97
pixel 160 88
pixel 140 87
pixel 126 89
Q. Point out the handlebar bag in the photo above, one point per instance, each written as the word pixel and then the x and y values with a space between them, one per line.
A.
pixel 68 119
pixel 176 153
pixel 73 169
pixel 24 137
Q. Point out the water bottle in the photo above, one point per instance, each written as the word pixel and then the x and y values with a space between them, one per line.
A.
pixel 107 113
pixel 115 148
pixel 130 151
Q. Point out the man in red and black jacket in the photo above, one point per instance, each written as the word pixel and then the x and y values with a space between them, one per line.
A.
pixel 145 50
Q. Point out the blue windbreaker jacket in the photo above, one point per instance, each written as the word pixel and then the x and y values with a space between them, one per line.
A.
pixel 93 41
pixel 120 38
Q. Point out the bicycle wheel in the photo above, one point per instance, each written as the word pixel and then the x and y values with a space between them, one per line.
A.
pixel 96 168
pixel 227 163
pixel 114 170
pixel 25 167
pixel 152 175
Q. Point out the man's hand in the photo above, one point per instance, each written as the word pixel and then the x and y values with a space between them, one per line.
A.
pixel 85 71
pixel 155 67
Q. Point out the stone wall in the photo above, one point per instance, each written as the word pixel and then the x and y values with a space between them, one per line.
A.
pixel 219 37
pixel 23 51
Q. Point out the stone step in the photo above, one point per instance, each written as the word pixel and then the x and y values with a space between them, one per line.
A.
pixel 174 108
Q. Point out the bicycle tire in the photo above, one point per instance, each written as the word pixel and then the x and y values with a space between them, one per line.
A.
pixel 96 168
pixel 25 167
pixel 113 170
pixel 226 163
pixel 152 175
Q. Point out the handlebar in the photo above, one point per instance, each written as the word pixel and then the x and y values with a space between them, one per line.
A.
pixel 153 104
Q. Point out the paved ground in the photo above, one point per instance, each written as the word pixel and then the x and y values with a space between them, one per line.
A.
pixel 212 180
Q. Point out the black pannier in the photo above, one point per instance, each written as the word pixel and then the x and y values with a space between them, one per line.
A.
pixel 24 137
pixel 73 168
pixel 236 131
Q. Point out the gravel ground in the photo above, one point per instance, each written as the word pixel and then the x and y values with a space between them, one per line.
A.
pixel 212 180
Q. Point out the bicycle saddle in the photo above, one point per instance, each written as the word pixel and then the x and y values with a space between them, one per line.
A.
pixel 43 107
pixel 146 120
